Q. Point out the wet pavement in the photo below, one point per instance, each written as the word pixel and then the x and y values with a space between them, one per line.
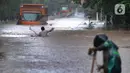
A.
pixel 61 52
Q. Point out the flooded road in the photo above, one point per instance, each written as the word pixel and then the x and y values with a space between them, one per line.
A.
pixel 61 52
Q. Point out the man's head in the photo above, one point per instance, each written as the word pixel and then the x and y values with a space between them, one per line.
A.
pixel 99 39
pixel 42 28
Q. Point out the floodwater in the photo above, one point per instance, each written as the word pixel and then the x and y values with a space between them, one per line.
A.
pixel 64 51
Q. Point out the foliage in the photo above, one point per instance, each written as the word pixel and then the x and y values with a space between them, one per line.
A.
pixel 77 1
pixel 107 7
pixel 3 2
pixel 9 8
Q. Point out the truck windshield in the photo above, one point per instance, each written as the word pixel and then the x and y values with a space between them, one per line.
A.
pixel 31 16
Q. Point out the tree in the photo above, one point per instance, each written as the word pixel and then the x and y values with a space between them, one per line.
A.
pixel 107 7
pixel 3 2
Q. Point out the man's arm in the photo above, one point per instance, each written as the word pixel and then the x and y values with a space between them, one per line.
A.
pixel 50 30
pixel 33 31
pixel 100 48
pixel 103 46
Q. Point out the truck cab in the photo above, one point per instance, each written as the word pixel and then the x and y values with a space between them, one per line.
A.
pixel 32 14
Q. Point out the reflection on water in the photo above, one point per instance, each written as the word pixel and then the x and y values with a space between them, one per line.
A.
pixel 2 56
pixel 6 35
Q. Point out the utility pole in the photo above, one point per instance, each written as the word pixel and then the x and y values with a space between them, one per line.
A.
pixel 82 1
pixel 101 14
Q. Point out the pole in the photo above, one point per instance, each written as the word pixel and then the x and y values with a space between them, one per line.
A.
pixel 97 16
pixel 93 62
pixel 101 14
pixel 89 17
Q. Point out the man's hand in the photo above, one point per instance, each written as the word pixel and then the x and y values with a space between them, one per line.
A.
pixel 91 51
pixel 50 24
pixel 53 28
pixel 99 67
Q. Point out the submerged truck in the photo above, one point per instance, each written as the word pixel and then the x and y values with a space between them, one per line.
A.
pixel 32 14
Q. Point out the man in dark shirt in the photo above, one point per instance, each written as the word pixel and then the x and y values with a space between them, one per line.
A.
pixel 111 56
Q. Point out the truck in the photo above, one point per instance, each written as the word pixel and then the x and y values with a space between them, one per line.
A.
pixel 64 11
pixel 32 14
